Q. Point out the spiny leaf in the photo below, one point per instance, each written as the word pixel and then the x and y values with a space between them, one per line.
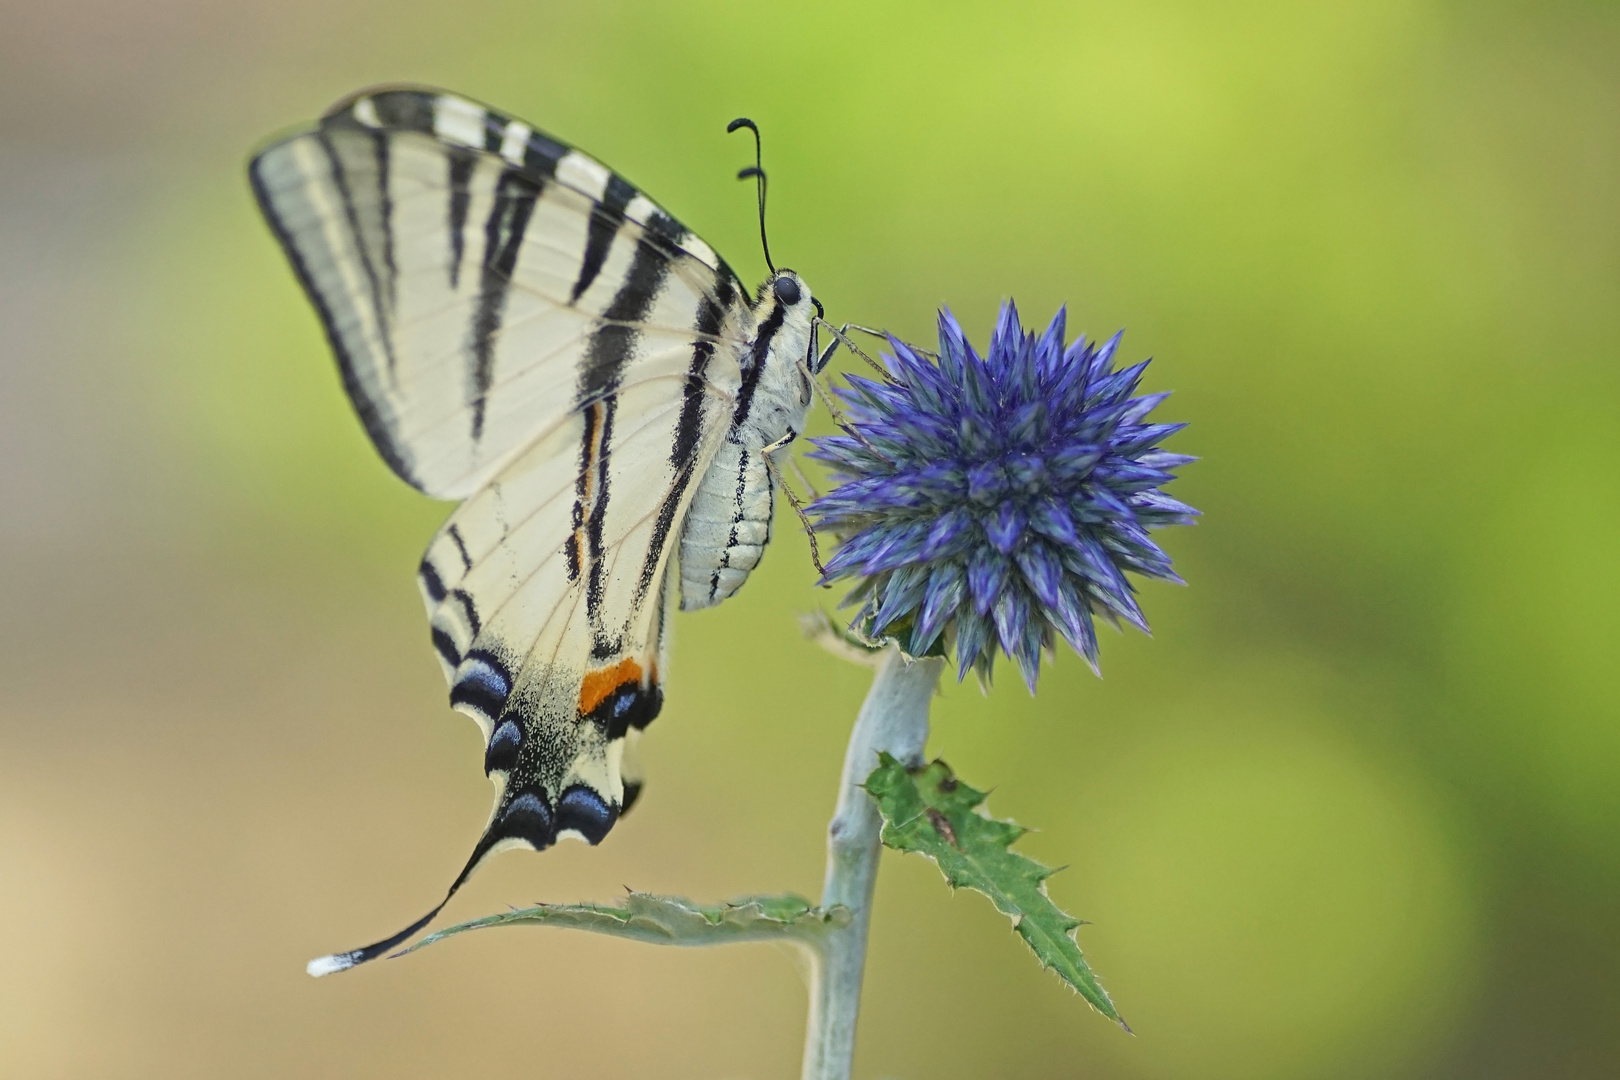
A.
pixel 671 920
pixel 931 812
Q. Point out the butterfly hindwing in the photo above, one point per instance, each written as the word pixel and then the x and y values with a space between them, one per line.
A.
pixel 547 595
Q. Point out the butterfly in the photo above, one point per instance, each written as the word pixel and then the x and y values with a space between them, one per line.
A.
pixel 521 329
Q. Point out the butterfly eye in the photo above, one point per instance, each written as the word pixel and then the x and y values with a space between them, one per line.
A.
pixel 787 291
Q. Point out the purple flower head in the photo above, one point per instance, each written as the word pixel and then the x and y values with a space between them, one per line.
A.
pixel 996 503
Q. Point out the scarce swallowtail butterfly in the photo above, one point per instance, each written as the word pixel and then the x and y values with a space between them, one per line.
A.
pixel 523 330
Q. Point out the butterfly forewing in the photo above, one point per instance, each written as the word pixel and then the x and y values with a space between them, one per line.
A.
pixel 468 268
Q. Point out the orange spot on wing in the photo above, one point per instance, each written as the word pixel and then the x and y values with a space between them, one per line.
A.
pixel 599 684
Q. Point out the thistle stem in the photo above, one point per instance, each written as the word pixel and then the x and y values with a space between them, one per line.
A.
pixel 894 719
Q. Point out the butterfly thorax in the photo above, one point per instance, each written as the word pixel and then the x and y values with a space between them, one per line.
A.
pixel 729 522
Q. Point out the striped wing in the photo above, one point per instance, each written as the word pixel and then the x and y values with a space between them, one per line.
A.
pixel 546 592
pixel 480 281
pixel 519 328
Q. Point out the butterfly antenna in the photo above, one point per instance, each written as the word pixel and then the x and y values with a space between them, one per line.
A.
pixel 757 171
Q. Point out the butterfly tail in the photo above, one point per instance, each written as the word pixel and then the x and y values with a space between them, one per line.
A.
pixel 343 961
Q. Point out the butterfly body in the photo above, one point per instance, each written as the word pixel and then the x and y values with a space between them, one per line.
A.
pixel 521 329
pixel 729 522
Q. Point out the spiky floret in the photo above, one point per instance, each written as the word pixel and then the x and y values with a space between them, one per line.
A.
pixel 997 502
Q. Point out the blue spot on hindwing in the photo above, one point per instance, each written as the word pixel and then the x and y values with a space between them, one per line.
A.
pixel 583 810
pixel 504 743
pixel 528 818
pixel 482 683
pixel 630 706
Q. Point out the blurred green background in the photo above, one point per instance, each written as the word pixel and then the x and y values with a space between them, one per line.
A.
pixel 1351 813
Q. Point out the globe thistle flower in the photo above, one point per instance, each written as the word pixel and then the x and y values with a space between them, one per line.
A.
pixel 996 503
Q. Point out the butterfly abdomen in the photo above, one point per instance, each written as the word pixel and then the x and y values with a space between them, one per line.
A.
pixel 727 527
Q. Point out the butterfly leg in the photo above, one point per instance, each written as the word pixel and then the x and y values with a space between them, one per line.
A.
pixel 884 335
pixel 841 337
pixel 838 418
pixel 827 353
pixel 803 479
pixel 779 443
pixel 793 499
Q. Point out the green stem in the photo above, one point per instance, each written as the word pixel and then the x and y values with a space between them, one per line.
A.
pixel 893 719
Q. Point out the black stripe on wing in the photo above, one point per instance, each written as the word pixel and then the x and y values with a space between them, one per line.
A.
pixel 605 641
pixel 459 180
pixel 683 453
pixel 369 415
pixel 401 109
pixel 432 583
pixel 515 196
pixel 606 218
pixel 385 213
pixel 614 343
pixel 418 108
pixel 610 350
pixel 383 312
pixel 454 532
pixel 594 416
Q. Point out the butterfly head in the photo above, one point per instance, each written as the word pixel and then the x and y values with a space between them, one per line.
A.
pixel 786 303
pixel 787 290
pixel 801 312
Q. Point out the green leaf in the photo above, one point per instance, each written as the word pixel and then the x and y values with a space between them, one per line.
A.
pixel 670 920
pixel 931 812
